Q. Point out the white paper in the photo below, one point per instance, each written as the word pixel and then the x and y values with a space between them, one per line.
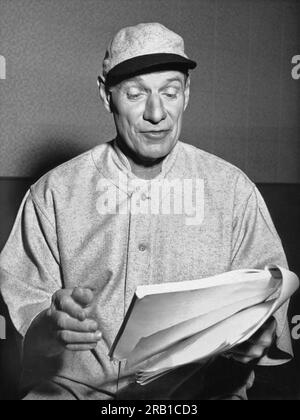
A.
pixel 185 323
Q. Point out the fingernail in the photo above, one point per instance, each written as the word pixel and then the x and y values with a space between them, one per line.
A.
pixel 98 335
pixel 82 315
pixel 93 326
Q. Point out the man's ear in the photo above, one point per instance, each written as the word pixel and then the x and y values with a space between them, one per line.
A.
pixel 187 92
pixel 105 95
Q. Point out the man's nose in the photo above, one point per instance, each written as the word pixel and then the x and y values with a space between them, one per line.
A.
pixel 154 110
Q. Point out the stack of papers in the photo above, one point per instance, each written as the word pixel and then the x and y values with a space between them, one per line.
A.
pixel 172 324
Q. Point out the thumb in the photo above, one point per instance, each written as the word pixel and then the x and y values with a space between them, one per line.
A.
pixel 83 296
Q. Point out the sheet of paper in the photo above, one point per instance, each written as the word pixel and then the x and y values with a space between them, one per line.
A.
pixel 290 284
pixel 162 340
pixel 221 337
pixel 224 279
pixel 155 313
pixel 204 344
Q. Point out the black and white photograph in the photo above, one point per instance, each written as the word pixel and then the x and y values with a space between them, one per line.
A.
pixel 149 202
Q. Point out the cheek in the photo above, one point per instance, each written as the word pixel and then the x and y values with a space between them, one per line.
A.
pixel 176 115
pixel 123 122
pixel 176 109
pixel 130 119
pixel 127 126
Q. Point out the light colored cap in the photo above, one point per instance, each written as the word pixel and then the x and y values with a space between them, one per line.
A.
pixel 141 48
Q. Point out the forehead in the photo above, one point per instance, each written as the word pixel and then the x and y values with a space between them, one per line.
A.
pixel 155 79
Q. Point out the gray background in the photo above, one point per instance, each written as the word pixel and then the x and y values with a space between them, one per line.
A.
pixel 244 105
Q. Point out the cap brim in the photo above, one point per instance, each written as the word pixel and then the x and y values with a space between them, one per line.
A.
pixel 147 63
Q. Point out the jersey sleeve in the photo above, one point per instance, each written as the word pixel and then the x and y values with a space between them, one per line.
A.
pixel 256 244
pixel 29 265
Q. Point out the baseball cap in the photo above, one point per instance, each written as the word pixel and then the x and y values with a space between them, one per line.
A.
pixel 141 49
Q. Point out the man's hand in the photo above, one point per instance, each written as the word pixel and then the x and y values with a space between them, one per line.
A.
pixel 257 346
pixel 65 325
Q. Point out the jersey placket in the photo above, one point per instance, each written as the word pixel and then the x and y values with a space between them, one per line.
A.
pixel 140 248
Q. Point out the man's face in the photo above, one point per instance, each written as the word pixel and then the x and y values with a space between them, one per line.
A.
pixel 148 111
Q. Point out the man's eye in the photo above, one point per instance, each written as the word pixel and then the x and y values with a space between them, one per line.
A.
pixel 172 94
pixel 134 95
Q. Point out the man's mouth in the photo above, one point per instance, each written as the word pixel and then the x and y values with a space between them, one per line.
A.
pixel 155 134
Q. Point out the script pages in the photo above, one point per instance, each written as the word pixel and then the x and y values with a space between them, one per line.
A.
pixel 172 324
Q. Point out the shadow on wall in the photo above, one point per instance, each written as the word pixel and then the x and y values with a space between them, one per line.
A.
pixel 52 154
pixel 12 190
pixel 10 362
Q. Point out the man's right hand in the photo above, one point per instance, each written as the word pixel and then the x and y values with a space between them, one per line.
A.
pixel 65 325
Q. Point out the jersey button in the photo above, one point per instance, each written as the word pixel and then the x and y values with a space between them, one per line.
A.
pixel 145 197
pixel 142 247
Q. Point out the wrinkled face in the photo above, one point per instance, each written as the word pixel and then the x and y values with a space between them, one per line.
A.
pixel 148 111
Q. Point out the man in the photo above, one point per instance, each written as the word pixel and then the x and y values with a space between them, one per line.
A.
pixel 80 246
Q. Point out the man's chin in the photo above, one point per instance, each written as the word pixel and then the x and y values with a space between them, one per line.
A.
pixel 154 156
pixel 156 151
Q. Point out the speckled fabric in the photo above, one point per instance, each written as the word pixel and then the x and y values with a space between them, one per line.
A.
pixel 142 39
pixel 61 240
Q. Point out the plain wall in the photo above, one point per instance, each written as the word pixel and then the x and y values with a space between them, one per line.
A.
pixel 244 105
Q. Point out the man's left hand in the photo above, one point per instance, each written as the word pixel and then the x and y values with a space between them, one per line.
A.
pixel 257 346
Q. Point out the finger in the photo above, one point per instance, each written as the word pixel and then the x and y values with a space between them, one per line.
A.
pixel 66 304
pixel 81 347
pixel 249 351
pixel 71 337
pixel 268 328
pixel 83 296
pixel 67 323
pixel 238 358
pixel 243 360
pixel 265 339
